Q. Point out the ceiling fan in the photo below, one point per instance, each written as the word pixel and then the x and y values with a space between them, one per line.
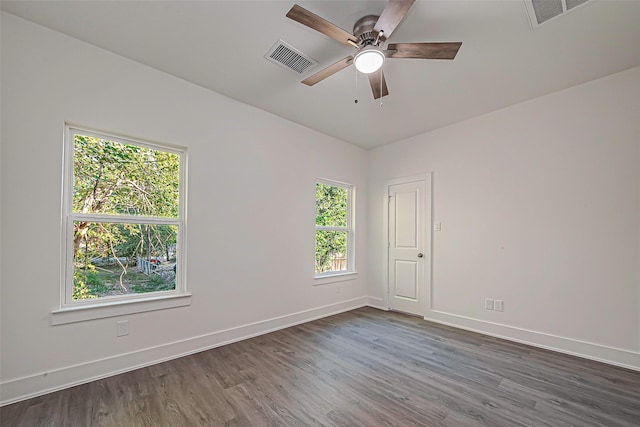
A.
pixel 369 35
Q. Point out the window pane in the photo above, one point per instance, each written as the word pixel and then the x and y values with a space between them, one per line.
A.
pixel 114 178
pixel 331 205
pixel 331 251
pixel 112 259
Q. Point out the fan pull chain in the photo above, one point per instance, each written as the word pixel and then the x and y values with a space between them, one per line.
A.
pixel 381 78
pixel 356 74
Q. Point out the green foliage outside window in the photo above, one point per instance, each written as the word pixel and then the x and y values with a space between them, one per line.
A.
pixel 331 211
pixel 112 178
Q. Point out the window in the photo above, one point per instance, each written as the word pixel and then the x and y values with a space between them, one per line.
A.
pixel 124 220
pixel 334 228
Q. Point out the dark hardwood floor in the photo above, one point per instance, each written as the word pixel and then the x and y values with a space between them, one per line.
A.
pixel 362 368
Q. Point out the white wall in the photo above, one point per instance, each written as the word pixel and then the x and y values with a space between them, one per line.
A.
pixel 540 207
pixel 251 204
pixel 539 204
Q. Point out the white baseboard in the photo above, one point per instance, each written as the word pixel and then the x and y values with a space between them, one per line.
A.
pixel 15 390
pixel 377 303
pixel 613 356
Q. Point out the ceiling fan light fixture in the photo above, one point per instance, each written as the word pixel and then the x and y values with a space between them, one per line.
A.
pixel 369 60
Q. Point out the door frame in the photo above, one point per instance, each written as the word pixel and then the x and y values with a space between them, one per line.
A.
pixel 427 218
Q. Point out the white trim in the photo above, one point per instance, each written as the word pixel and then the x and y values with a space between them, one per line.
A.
pixel 333 182
pixel 431 243
pixel 128 140
pixel 112 308
pixel 335 277
pixel 19 389
pixel 124 219
pixel 385 248
pixel 332 228
pixel 351 245
pixel 427 178
pixel 378 303
pixel 385 232
pixel 349 229
pixel 67 304
pixel 23 388
pixel 587 350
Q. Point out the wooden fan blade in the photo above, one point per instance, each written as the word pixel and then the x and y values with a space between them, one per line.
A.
pixel 392 15
pixel 329 71
pixel 423 50
pixel 378 84
pixel 311 20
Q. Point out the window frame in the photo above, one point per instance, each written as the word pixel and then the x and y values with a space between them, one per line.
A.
pixel 329 276
pixel 145 300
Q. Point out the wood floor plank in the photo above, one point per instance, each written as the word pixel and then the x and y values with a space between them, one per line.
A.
pixel 361 368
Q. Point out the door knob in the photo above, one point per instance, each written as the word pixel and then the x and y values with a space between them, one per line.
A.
pixel 420 255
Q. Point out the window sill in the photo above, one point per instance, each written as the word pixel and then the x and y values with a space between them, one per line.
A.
pixel 338 277
pixel 118 308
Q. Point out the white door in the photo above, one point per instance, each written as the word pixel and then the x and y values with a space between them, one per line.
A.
pixel 409 257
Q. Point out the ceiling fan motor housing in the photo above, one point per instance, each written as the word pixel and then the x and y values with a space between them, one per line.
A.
pixel 363 29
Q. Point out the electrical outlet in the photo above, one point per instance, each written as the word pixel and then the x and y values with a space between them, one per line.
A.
pixel 122 328
pixel 488 304
pixel 498 305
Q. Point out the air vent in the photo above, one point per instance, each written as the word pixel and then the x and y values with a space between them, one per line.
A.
pixel 573 3
pixel 541 11
pixel 289 57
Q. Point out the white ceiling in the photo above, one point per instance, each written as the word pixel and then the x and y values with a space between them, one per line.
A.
pixel 221 45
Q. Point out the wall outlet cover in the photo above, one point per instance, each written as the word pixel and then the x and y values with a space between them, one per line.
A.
pixel 122 328
pixel 488 304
